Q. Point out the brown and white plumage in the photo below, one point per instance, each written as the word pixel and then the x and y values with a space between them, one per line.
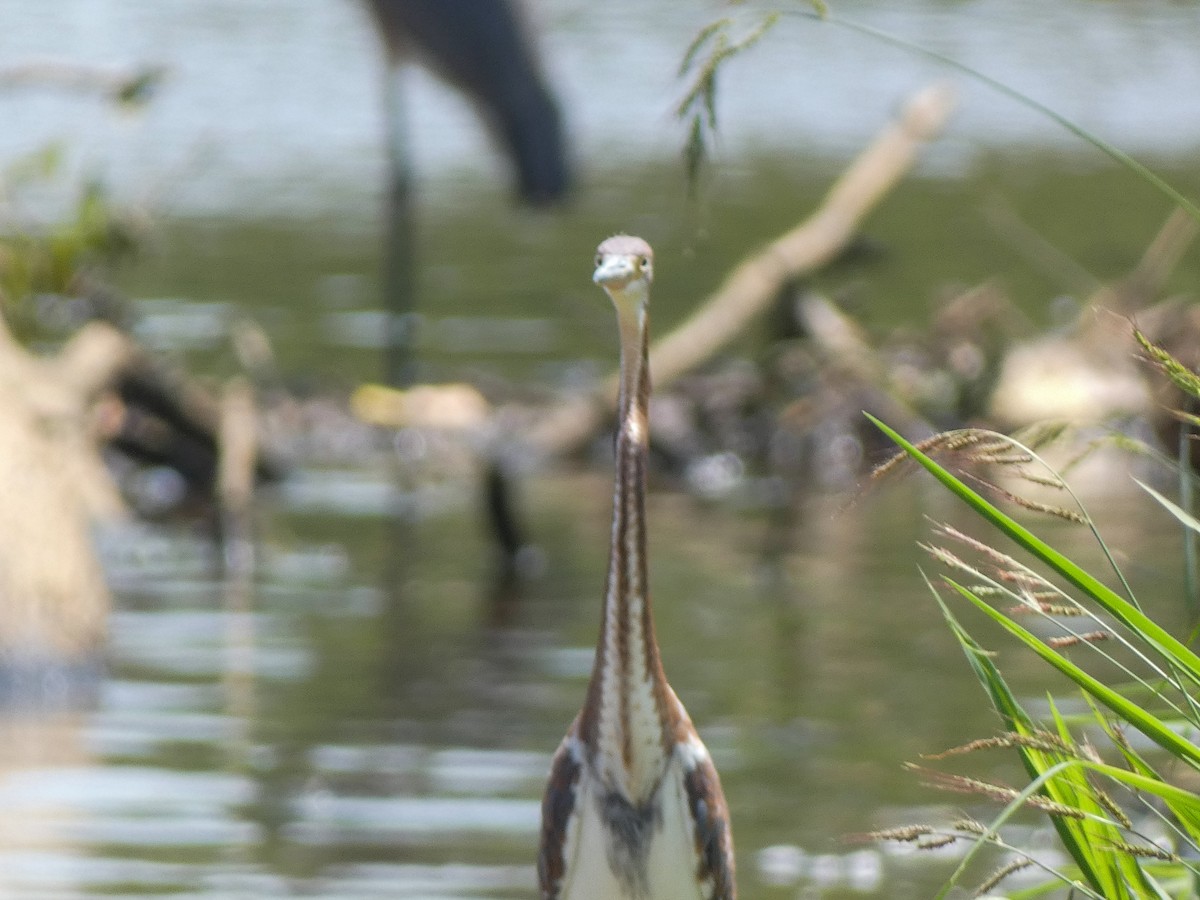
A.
pixel 633 809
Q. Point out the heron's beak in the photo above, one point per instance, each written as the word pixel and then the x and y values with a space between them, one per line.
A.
pixel 615 272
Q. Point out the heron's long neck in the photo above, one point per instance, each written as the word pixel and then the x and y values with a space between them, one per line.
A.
pixel 625 721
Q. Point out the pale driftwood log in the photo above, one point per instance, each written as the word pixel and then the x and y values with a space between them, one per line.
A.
pixel 53 598
pixel 1092 373
pixel 753 285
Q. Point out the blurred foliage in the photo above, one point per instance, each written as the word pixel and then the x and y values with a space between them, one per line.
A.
pixel 715 44
pixel 68 256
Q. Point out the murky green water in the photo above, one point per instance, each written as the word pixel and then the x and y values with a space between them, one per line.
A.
pixel 379 721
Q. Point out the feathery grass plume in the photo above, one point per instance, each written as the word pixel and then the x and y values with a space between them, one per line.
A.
pixel 993 880
pixel 1111 807
pixel 937 843
pixel 1059 512
pixel 1000 560
pixel 1042 601
pixel 904 834
pixel 1049 481
pixel 999 450
pixel 1042 740
pixel 992 442
pixel 998 458
pixel 1179 374
pixel 1148 851
pixel 948 559
pixel 969 826
pixel 1019 577
pixel 963 784
pixel 1041 434
pixel 1073 640
pixel 942 441
pixel 1046 609
pixel 991 590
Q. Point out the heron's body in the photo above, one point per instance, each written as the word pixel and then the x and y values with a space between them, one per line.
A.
pixel 634 808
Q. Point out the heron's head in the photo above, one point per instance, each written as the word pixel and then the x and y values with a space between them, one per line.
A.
pixel 625 268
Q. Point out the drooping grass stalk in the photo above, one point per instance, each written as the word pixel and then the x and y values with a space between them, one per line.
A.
pixel 699 106
pixel 1112 151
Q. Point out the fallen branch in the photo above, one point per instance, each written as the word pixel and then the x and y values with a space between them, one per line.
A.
pixel 752 286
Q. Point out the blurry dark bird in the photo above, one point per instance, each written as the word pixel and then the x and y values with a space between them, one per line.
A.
pixel 484 48
pixel 633 809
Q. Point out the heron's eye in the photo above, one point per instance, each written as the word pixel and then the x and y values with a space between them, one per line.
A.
pixel 645 262
pixel 599 259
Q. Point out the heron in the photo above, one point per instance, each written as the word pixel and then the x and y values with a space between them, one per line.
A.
pixel 633 809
